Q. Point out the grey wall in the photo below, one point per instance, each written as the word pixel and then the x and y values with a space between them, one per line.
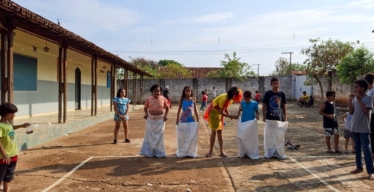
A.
pixel 176 86
pixel 45 99
pixel 342 90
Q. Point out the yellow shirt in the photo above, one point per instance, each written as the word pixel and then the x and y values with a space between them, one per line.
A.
pixel 220 100
pixel 8 140
pixel 305 97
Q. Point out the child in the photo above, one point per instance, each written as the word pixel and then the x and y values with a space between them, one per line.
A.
pixel 330 123
pixel 204 100
pixel 8 146
pixel 247 131
pixel 121 108
pixel 274 104
pixel 187 129
pixel 187 104
pixel 215 113
pixel 153 144
pixel 257 97
pixel 370 79
pixel 360 106
pixel 347 119
pixel 248 108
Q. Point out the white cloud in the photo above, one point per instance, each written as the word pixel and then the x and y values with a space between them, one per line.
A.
pixel 212 18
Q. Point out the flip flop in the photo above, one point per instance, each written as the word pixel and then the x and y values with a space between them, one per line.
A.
pixel 208 155
pixel 223 155
pixel 338 152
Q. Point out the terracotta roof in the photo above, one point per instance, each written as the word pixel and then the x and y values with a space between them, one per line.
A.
pixel 35 24
pixel 197 72
pixel 298 72
pixel 201 72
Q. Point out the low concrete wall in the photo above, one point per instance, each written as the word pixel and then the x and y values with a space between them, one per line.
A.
pixel 176 86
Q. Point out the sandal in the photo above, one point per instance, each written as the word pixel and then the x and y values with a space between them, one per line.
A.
pixel 338 151
pixel 127 140
pixel 208 155
pixel 223 155
pixel 115 141
pixel 330 151
pixel 357 171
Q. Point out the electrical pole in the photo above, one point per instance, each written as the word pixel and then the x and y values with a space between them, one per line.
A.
pixel 290 59
pixel 258 69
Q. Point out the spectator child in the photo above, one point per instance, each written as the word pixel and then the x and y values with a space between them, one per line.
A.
pixel 8 144
pixel 330 123
pixel 204 101
pixel 360 106
pixel 370 79
pixel 257 97
pixel 121 108
pixel 347 119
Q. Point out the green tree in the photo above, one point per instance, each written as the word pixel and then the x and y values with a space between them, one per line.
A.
pixel 282 67
pixel 149 66
pixel 233 68
pixel 324 56
pixel 166 62
pixel 355 65
pixel 174 70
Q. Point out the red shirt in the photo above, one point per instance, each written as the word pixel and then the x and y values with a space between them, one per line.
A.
pixel 205 98
pixel 258 96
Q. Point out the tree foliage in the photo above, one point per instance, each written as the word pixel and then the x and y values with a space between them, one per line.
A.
pixel 166 62
pixel 233 68
pixel 282 67
pixel 174 70
pixel 355 65
pixel 324 56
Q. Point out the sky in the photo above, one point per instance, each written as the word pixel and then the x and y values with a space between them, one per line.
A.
pixel 198 33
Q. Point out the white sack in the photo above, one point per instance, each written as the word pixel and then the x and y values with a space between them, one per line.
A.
pixel 153 144
pixel 274 138
pixel 187 136
pixel 247 137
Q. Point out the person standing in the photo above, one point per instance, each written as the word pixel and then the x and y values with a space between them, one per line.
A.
pixel 370 78
pixel 165 93
pixel 360 106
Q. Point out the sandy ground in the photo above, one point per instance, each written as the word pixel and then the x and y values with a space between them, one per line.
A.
pixel 109 167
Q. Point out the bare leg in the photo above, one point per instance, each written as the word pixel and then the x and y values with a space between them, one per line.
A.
pixel 125 123
pixel 220 141
pixel 346 144
pixel 116 129
pixel 328 143
pixel 6 186
pixel 212 140
pixel 336 142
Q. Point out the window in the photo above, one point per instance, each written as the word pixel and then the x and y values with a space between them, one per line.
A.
pixel 25 73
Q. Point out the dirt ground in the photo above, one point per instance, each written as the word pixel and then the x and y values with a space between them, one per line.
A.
pixel 87 161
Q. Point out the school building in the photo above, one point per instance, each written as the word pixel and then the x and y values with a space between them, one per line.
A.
pixel 46 69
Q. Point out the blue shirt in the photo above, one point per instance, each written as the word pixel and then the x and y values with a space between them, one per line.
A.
pixel 187 108
pixel 121 104
pixel 248 110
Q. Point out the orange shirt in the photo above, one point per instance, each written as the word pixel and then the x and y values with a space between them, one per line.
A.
pixel 156 104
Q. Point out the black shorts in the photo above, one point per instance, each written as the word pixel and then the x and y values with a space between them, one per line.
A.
pixel 7 171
